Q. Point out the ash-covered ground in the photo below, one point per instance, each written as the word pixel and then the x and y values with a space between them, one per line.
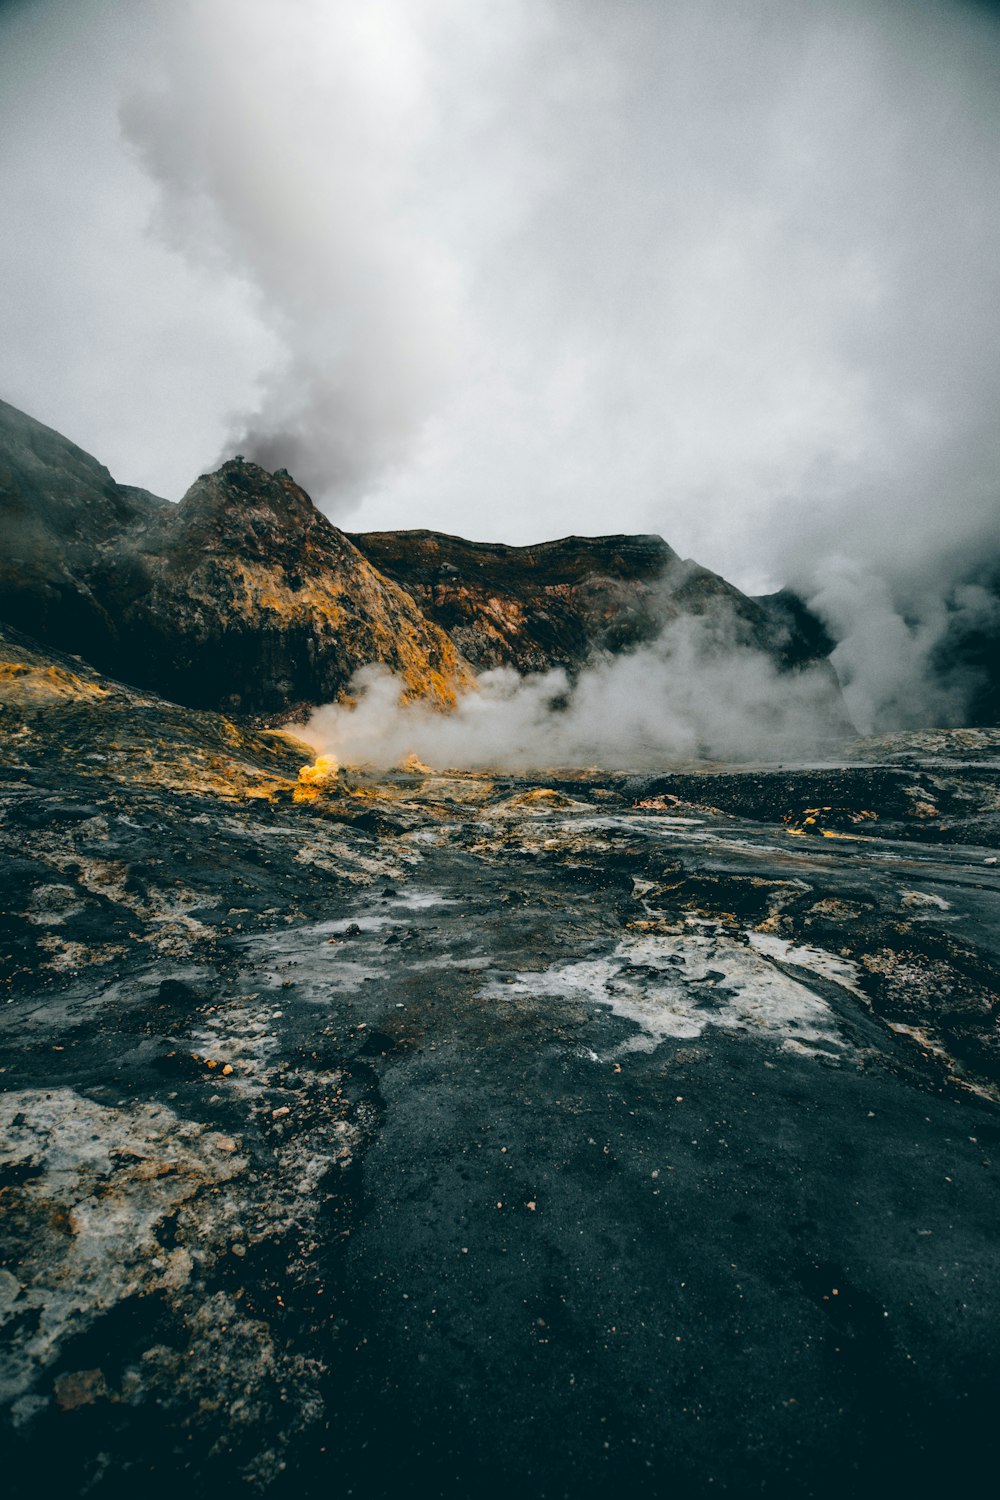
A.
pixel 469 1134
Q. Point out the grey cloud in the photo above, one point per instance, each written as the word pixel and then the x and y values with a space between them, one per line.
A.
pixel 515 270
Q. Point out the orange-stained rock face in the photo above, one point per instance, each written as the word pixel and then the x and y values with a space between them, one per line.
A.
pixel 532 608
pixel 559 603
pixel 243 597
pixel 255 602
pixel 59 711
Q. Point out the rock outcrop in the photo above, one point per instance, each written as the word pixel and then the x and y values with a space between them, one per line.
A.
pixel 558 603
pixel 243 597
pixel 58 508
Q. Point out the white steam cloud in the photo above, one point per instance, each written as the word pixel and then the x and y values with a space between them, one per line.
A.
pixel 725 272
pixel 698 692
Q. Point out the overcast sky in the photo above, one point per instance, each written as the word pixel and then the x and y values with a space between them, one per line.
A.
pixel 724 270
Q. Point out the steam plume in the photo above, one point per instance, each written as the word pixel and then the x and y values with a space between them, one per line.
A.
pixel 723 272
pixel 697 692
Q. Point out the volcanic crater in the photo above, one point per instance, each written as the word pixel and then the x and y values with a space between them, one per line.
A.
pixel 397 1130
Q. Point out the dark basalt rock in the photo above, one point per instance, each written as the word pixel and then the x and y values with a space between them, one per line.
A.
pixel 803 635
pixel 241 597
pixel 465 1135
pixel 557 603
pixel 58 507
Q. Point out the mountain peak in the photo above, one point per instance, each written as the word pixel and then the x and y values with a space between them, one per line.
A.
pixel 245 509
pixel 244 596
pixel 240 486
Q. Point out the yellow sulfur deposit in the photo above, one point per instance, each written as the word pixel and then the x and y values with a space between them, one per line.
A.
pixel 416 765
pixel 313 778
pixel 33 682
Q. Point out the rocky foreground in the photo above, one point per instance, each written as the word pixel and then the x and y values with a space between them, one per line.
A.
pixel 419 1133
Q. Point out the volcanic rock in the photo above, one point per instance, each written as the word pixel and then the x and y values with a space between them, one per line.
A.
pixel 413 1134
pixel 244 598
pixel 58 507
pixel 558 603
pixel 241 597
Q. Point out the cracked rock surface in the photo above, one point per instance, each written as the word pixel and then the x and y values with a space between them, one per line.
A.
pixel 455 1134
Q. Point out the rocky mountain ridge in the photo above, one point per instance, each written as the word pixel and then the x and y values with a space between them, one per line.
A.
pixel 244 598
pixel 241 597
pixel 557 603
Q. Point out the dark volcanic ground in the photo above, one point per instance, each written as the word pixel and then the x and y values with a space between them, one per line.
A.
pixel 467 1135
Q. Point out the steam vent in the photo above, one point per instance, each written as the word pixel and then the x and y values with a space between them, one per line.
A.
pixel 460 1039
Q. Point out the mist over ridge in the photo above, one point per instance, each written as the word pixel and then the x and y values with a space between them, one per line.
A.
pixel 724 275
pixel 687 697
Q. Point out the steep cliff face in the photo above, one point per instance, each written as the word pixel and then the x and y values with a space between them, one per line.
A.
pixel 245 597
pixel 58 507
pixel 529 607
pixel 558 603
pixel 242 597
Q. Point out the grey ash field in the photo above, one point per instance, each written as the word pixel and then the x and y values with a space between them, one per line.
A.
pixel 464 1134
